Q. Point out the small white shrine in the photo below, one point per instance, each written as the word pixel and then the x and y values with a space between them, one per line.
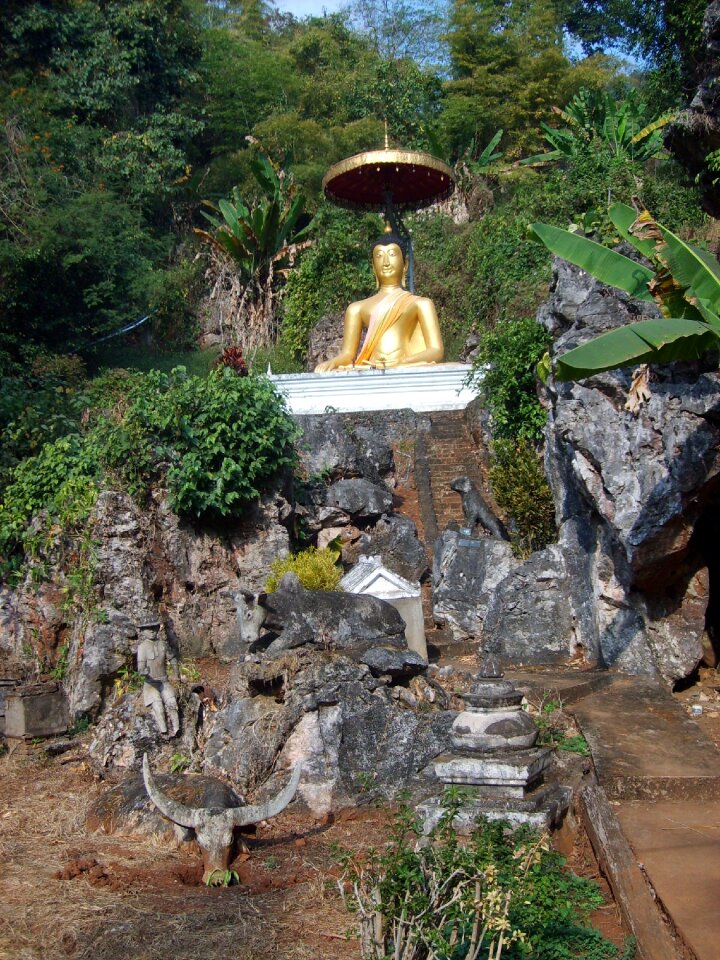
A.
pixel 371 578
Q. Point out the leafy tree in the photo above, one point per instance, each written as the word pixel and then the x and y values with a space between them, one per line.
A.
pixel 399 30
pixel 508 69
pixel 99 122
pixel 667 33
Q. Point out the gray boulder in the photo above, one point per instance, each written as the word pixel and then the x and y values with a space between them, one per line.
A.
pixel 328 619
pixel 395 539
pixel 393 662
pixel 466 573
pixel 359 498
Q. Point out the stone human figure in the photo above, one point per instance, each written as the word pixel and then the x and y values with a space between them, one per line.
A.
pixel 401 328
pixel 153 658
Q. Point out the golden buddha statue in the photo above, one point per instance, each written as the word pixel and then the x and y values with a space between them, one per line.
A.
pixel 402 329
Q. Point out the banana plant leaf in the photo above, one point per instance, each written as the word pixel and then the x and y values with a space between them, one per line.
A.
pixel 607 265
pixel 265 175
pixel 489 155
pixel 650 341
pixel 693 268
pixel 622 218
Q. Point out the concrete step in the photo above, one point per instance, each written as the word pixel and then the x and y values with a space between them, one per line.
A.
pixel 645 746
pixel 661 775
pixel 677 842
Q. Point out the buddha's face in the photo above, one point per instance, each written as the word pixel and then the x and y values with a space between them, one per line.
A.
pixel 388 264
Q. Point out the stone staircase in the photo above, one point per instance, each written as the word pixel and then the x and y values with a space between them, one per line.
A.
pixel 452 453
pixel 444 451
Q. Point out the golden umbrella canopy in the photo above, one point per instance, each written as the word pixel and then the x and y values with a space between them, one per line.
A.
pixel 388 180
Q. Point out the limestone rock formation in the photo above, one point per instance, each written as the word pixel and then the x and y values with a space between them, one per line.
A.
pixel 466 573
pixel 628 583
pixel 355 738
pixel 370 630
pixel 325 339
pixel 334 448
pixel 148 564
pixel 632 492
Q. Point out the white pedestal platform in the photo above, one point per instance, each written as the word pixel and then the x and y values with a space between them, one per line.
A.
pixel 422 389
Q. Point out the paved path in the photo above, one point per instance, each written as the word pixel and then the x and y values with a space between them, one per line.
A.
pixel 678 844
pixel 662 776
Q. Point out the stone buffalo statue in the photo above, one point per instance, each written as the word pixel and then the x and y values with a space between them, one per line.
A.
pixel 214 827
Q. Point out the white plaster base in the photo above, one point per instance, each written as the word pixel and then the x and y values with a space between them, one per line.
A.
pixel 422 389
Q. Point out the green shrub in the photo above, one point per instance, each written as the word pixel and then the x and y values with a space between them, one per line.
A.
pixel 214 443
pixel 40 400
pixel 504 370
pixel 500 893
pixel 331 274
pixel 317 569
pixel 61 483
pixel 522 492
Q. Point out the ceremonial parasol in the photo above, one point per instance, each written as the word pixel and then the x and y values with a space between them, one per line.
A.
pixel 390 181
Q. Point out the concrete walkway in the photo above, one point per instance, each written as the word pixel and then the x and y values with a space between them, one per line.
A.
pixel 661 775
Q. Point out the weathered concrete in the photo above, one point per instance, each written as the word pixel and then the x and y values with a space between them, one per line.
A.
pixel 644 745
pixel 678 845
pixel 654 936
pixel 36 710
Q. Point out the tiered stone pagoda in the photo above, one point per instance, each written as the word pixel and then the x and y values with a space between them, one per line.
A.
pixel 497 757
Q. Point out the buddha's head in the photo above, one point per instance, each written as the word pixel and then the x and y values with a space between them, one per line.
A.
pixel 389 260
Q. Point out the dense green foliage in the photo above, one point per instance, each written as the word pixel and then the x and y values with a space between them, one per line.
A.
pixel 505 372
pixel 99 122
pixel 316 569
pixel 214 443
pixel 521 491
pixel 501 893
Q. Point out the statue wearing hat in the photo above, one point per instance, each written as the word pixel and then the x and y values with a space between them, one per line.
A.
pixel 154 655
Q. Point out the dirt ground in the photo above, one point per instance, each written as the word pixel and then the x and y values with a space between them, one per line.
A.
pixel 703 692
pixel 67 893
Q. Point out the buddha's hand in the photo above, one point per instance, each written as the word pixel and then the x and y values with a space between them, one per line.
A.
pixel 385 361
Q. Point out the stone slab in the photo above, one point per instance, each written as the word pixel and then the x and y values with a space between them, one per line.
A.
pixel 569 686
pixel 633 895
pixel 644 745
pixel 6 688
pixel 512 768
pixel 423 389
pixel 678 845
pixel 36 711
pixel 544 810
